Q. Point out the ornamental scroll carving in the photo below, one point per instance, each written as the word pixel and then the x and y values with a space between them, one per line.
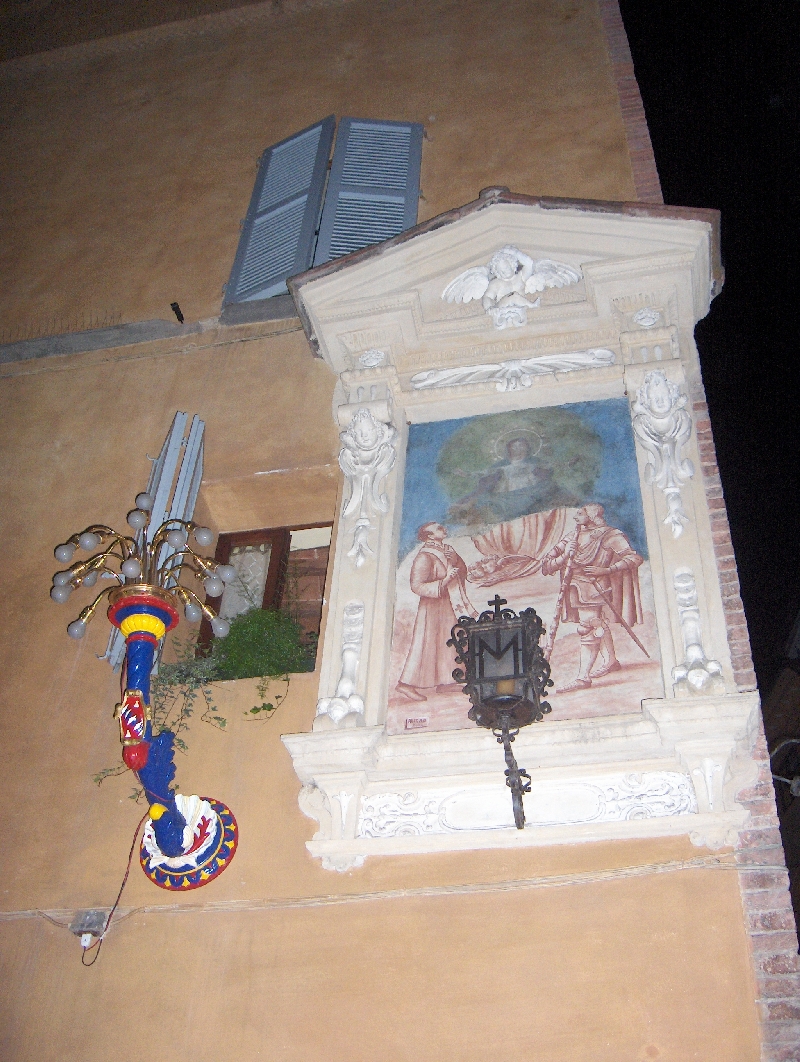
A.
pixel 652 794
pixel 504 282
pixel 346 700
pixel 663 425
pixel 513 375
pixel 367 456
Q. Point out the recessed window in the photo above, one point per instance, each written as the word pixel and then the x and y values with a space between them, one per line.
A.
pixel 280 569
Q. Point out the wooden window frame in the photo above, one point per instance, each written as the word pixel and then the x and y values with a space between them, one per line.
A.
pixel 280 539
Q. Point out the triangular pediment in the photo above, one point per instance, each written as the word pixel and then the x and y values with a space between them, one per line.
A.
pixel 419 299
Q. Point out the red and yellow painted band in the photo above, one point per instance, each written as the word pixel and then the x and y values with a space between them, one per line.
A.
pixel 142 622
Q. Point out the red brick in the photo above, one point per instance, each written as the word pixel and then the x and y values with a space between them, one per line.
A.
pixel 758 791
pixel 767 921
pixel 787 1053
pixel 760 881
pixel 785 987
pixel 770 942
pixel 785 962
pixel 761 857
pixel 703 425
pixel 741 658
pixel 727 563
pixel 762 822
pixel 737 630
pixel 728 576
pixel 765 806
pixel 759 838
pixel 767 900
pixel 784 1012
pixel 780 1032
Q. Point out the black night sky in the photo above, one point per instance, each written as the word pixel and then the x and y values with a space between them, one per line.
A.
pixel 719 85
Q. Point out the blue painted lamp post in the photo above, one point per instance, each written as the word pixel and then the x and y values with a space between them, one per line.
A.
pixel 187 841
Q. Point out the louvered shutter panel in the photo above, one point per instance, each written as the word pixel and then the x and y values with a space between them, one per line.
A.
pixel 159 487
pixel 279 230
pixel 373 189
pixel 188 485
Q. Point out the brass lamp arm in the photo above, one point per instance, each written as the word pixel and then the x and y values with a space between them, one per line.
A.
pixel 86 613
pixel 165 529
pixel 185 594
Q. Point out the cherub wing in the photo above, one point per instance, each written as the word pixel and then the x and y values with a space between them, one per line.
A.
pixel 469 285
pixel 549 274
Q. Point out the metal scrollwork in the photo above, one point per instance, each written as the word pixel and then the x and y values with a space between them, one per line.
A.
pixel 506 676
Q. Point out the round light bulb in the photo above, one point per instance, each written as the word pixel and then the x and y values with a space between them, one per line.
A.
pixel 144 501
pixel 214 587
pixel 61 593
pixel 61 578
pixel 76 629
pixel 64 553
pixel 192 612
pixel 89 541
pixel 131 568
pixel 220 627
pixel 90 579
pixel 137 519
pixel 226 572
pixel 204 536
pixel 177 538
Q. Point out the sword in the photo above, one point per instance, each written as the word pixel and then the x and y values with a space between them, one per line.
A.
pixel 604 594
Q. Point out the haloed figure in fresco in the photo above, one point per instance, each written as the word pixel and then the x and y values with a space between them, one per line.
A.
pixel 437 577
pixel 513 487
pixel 599 587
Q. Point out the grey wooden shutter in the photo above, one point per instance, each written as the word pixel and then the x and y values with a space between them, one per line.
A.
pixel 280 228
pixel 178 448
pixel 373 189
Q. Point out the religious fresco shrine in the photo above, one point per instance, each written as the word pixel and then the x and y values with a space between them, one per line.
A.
pixel 514 398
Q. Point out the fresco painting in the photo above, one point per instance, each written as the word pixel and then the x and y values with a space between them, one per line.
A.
pixel 543 507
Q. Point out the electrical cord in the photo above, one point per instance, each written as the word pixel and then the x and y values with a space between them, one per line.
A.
pixel 99 942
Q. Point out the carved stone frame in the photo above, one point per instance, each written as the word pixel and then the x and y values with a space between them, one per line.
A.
pixel 674 767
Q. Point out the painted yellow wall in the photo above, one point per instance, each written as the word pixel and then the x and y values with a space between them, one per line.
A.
pixel 125 177
pixel 644 967
pixel 125 172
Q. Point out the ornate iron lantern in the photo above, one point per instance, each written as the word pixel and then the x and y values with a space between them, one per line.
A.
pixel 506 676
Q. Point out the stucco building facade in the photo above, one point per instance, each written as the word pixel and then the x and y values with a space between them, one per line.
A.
pixel 380 905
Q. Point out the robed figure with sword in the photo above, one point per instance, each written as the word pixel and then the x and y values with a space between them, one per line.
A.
pixel 599 587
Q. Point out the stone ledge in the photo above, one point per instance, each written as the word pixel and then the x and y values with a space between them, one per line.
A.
pixel 676 768
pixel 122 335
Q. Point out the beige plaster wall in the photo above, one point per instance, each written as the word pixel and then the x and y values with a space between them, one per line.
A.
pixel 126 170
pixel 268 961
pixel 125 173
pixel 637 970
